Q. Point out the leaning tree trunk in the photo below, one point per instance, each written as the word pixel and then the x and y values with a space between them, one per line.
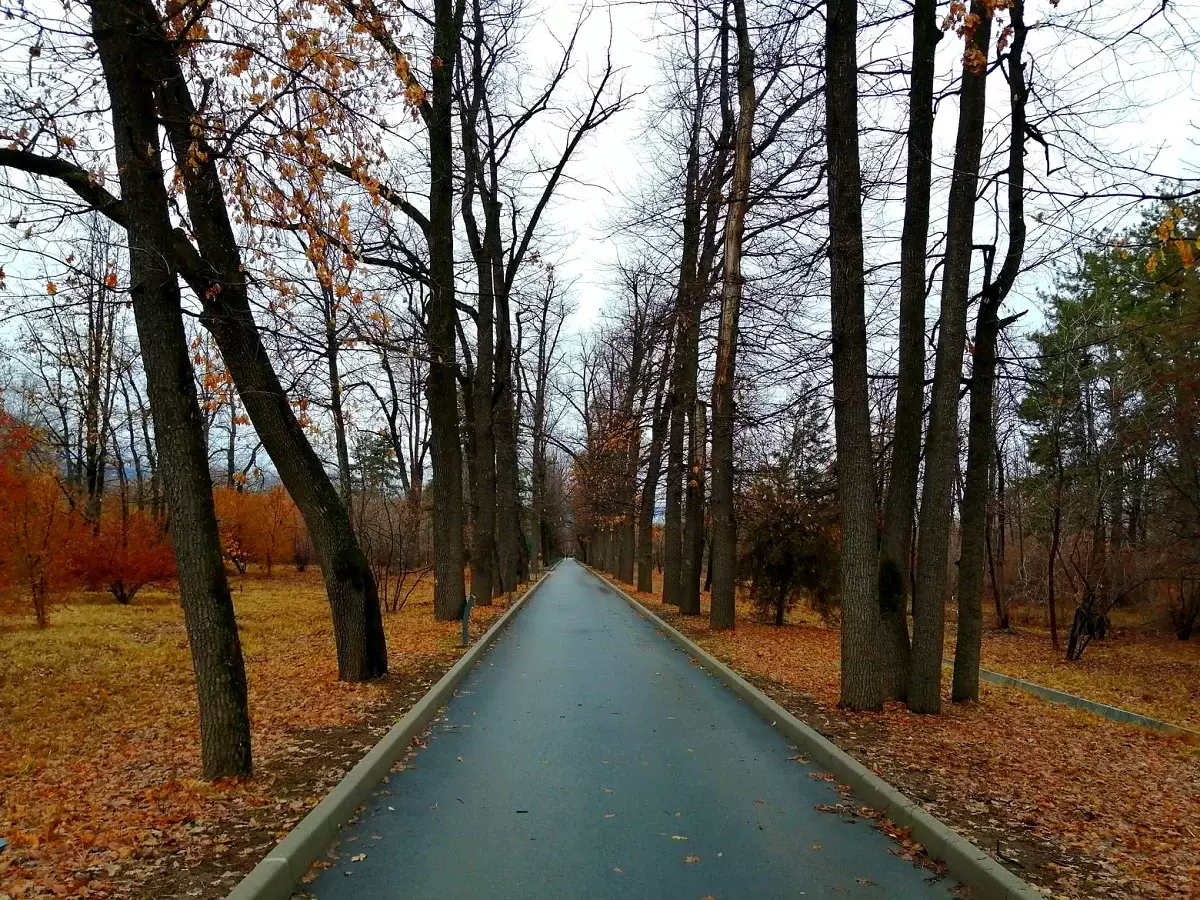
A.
pixel 204 592
pixel 980 434
pixel 218 278
pixel 724 539
pixel 862 685
pixel 895 545
pixel 941 455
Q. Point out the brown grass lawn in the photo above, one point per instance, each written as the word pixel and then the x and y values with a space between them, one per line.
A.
pixel 99 745
pixel 1079 805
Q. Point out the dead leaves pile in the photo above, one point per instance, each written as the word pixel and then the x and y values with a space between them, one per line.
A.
pixel 99 750
pixel 1077 804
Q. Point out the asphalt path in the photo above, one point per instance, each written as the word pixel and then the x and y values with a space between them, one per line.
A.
pixel 587 757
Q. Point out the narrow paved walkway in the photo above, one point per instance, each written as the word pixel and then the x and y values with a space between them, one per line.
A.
pixel 586 757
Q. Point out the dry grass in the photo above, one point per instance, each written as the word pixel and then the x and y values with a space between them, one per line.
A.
pixel 99 745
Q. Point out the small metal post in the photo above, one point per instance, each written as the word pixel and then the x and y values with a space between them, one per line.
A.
pixel 466 622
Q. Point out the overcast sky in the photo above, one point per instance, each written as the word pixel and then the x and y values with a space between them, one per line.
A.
pixel 1155 117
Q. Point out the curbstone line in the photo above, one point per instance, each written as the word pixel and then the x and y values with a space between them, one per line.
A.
pixel 277 875
pixel 1113 713
pixel 971 865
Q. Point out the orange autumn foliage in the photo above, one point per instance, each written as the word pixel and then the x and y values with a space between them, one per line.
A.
pixel 36 523
pixel 123 556
pixel 257 526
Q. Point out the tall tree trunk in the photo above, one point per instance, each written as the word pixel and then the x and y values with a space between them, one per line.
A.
pixel 484 249
pixel 724 539
pixel 941 455
pixel 509 534
pixel 693 523
pixel 658 433
pixel 862 683
pixel 120 36
pixel 336 408
pixel 896 538
pixel 218 278
pixel 694 504
pixel 998 571
pixel 449 592
pixel 483 534
pixel 980 428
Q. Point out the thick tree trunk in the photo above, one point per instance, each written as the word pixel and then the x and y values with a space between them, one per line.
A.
pixel 724 538
pixel 862 684
pixel 974 508
pixel 219 280
pixel 449 592
pixel 941 455
pixel 483 535
pixel 895 546
pixel 980 429
pixel 510 537
pixel 482 445
pixel 120 37
pixel 649 496
pixel 678 399
pixel 693 522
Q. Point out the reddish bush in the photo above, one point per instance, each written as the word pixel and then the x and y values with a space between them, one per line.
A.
pixel 124 556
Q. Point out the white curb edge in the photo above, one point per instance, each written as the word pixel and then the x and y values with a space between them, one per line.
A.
pixel 974 867
pixel 276 876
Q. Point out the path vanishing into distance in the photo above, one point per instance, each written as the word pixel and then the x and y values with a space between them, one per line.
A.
pixel 587 757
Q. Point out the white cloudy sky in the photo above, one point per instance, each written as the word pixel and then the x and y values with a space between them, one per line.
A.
pixel 1155 118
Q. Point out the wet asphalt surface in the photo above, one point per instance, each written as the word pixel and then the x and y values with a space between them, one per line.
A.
pixel 586 757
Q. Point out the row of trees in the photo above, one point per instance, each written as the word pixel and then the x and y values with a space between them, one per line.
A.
pixel 924 507
pixel 293 298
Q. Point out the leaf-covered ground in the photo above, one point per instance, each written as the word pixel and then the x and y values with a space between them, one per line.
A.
pixel 99 746
pixel 1150 673
pixel 1079 805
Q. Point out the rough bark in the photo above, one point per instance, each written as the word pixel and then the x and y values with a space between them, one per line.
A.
pixel 449 592
pixel 483 444
pixel 980 428
pixel 941 455
pixel 509 534
pixel 862 685
pixel 658 433
pixel 724 538
pixel 895 546
pixel 218 279
pixel 120 37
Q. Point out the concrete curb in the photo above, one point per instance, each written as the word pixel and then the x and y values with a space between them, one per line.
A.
pixel 975 868
pixel 1115 713
pixel 276 876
